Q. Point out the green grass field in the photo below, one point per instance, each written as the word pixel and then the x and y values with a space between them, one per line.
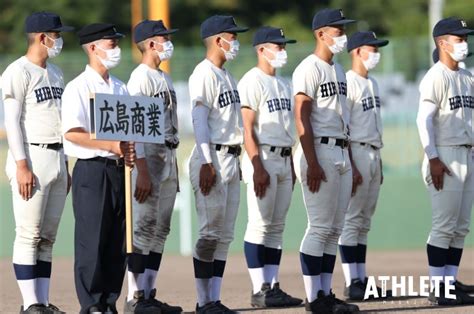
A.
pixel 402 219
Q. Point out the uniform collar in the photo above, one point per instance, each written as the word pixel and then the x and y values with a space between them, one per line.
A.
pixel 93 74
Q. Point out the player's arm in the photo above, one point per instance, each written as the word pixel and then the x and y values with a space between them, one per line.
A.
pixel 424 121
pixel 143 187
pixel 356 176
pixel 207 174
pixel 303 108
pixel 261 179
pixel 82 138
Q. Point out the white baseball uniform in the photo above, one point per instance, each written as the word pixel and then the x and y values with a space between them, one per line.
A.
pixel 153 217
pixel 38 92
pixel 326 85
pixel 451 96
pixel 270 98
pixel 363 102
pixel 216 88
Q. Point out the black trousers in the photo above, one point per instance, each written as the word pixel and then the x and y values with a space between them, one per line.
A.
pixel 98 196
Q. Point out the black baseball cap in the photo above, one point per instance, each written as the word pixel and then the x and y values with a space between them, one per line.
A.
pixel 268 34
pixel 149 28
pixel 39 22
pixel 451 26
pixel 359 39
pixel 329 17
pixel 96 31
pixel 217 24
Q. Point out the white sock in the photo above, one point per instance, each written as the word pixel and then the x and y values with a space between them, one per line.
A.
pixel 361 271
pixel 271 274
pixel 350 272
pixel 326 282
pixel 216 283
pixel 149 281
pixel 451 270
pixel 436 271
pixel 203 287
pixel 28 292
pixel 257 275
pixel 312 284
pixel 135 283
pixel 42 290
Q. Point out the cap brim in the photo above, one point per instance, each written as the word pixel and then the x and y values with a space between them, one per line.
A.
pixel 167 32
pixel 236 29
pixel 462 32
pixel 377 43
pixel 63 29
pixel 341 22
pixel 283 41
pixel 114 36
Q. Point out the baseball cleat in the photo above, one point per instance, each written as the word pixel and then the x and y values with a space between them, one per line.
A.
pixel 285 298
pixel 355 291
pixel 319 305
pixel 37 308
pixel 339 306
pixel 54 309
pixel 223 308
pixel 165 307
pixel 388 292
pixel 139 305
pixel 464 288
pixel 209 308
pixel 443 300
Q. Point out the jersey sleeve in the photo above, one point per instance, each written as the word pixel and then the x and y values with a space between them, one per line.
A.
pixel 249 92
pixel 202 88
pixel 137 86
pixel 15 84
pixel 306 81
pixel 351 92
pixel 431 88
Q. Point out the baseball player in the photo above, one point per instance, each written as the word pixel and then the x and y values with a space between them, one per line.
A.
pixel 365 124
pixel 155 177
pixel 98 179
pixel 445 126
pixel 322 162
pixel 267 165
pixel 36 166
pixel 214 165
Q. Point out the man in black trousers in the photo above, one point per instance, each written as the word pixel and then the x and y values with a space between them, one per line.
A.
pixel 98 177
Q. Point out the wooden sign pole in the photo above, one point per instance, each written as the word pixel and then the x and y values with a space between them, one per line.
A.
pixel 128 209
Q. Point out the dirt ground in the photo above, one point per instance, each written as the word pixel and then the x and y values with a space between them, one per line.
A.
pixel 176 286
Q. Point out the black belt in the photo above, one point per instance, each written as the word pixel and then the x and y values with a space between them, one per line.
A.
pixel 466 146
pixel 339 141
pixel 233 150
pixel 370 145
pixel 171 145
pixel 53 146
pixel 108 161
pixel 285 151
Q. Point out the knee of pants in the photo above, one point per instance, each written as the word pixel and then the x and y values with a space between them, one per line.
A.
pixel 222 251
pixel 440 239
pixel 25 249
pixel 330 248
pixel 459 237
pixel 45 249
pixel 274 237
pixel 205 249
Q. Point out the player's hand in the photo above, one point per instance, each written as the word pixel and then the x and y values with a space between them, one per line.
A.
pixel 381 178
pixel 356 179
pixel 127 150
pixel 69 183
pixel 314 176
pixel 25 180
pixel 293 179
pixel 143 186
pixel 261 180
pixel 207 178
pixel 437 170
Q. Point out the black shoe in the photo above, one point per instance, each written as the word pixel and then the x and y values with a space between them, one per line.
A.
pixel 388 292
pixel 464 288
pixel 355 291
pixel 96 309
pixel 37 308
pixel 54 309
pixel 259 299
pixel 165 307
pixel 443 300
pixel 319 305
pixel 224 308
pixel 209 308
pixel 139 305
pixel 339 306
pixel 284 299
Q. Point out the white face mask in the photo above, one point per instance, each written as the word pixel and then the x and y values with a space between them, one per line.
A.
pixel 167 52
pixel 372 60
pixel 113 57
pixel 339 44
pixel 57 47
pixel 460 51
pixel 233 50
pixel 279 60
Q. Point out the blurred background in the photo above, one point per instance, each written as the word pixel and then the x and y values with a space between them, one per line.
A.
pixel 403 216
